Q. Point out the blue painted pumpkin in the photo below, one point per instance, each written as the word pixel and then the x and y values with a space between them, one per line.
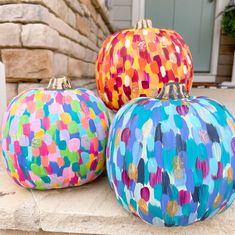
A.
pixel 171 160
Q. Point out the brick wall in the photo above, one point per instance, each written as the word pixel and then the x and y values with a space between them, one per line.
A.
pixel 44 38
pixel 225 62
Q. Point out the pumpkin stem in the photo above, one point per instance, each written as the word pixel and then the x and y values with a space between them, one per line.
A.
pixel 173 90
pixel 144 24
pixel 59 84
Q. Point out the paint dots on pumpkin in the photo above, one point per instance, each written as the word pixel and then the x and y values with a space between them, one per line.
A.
pixel 125 136
pixel 203 136
pixel 145 84
pixel 145 194
pixel 152 165
pixel 184 197
pixel 163 71
pixel 177 49
pixel 74 145
pixel 185 70
pixel 230 174
pixel 195 194
pixel 233 144
pixel 66 118
pixel 158 133
pixel 203 166
pixel 182 110
pixel 141 171
pixel 126 179
pixel 164 41
pixel 173 58
pixel 178 167
pixel 122 147
pixel 127 81
pixel 93 164
pixel 132 209
pixel 145 32
pixel 127 43
pixel 172 208
pixel 133 172
pixel 165 182
pixel 143 206
pixel 212 132
pixel 188 59
pixel 127 65
pixel 217 200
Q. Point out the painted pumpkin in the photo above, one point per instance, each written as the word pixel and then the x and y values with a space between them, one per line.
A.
pixel 138 62
pixel 55 137
pixel 171 160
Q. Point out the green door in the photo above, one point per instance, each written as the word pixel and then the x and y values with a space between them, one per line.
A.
pixel 193 19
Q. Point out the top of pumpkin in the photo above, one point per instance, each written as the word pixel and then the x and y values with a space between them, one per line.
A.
pixel 59 84
pixel 144 24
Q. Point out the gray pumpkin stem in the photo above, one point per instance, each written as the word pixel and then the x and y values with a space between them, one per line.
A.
pixel 173 90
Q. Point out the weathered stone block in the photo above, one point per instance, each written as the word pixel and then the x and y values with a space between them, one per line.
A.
pixel 83 25
pixel 93 26
pixel 93 37
pixel 91 71
pixel 77 50
pixel 92 46
pixel 63 28
pixel 39 35
pixel 88 83
pixel 86 11
pixel 90 8
pixel 60 65
pixel 75 5
pixel 100 42
pixel 101 34
pixel 75 67
pixel 81 82
pixel 30 85
pixel 102 25
pixel 2 2
pixel 10 34
pixel 71 18
pixel 65 45
pixel 71 48
pixel 58 7
pixel 23 13
pixel 11 91
pixel 90 56
pixel 24 64
pixel 78 68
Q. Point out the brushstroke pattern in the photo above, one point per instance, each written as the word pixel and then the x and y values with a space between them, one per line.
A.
pixel 138 62
pixel 55 138
pixel 172 162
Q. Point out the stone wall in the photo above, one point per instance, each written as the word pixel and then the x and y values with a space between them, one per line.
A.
pixel 44 38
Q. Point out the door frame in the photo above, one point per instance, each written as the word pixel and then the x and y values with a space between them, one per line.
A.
pixel 138 10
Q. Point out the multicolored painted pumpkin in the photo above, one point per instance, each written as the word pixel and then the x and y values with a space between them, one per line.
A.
pixel 138 62
pixel 55 137
pixel 171 161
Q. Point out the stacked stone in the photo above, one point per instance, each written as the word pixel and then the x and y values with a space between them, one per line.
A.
pixel 44 38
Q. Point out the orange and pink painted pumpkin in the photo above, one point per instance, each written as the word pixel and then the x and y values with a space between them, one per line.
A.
pixel 138 62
